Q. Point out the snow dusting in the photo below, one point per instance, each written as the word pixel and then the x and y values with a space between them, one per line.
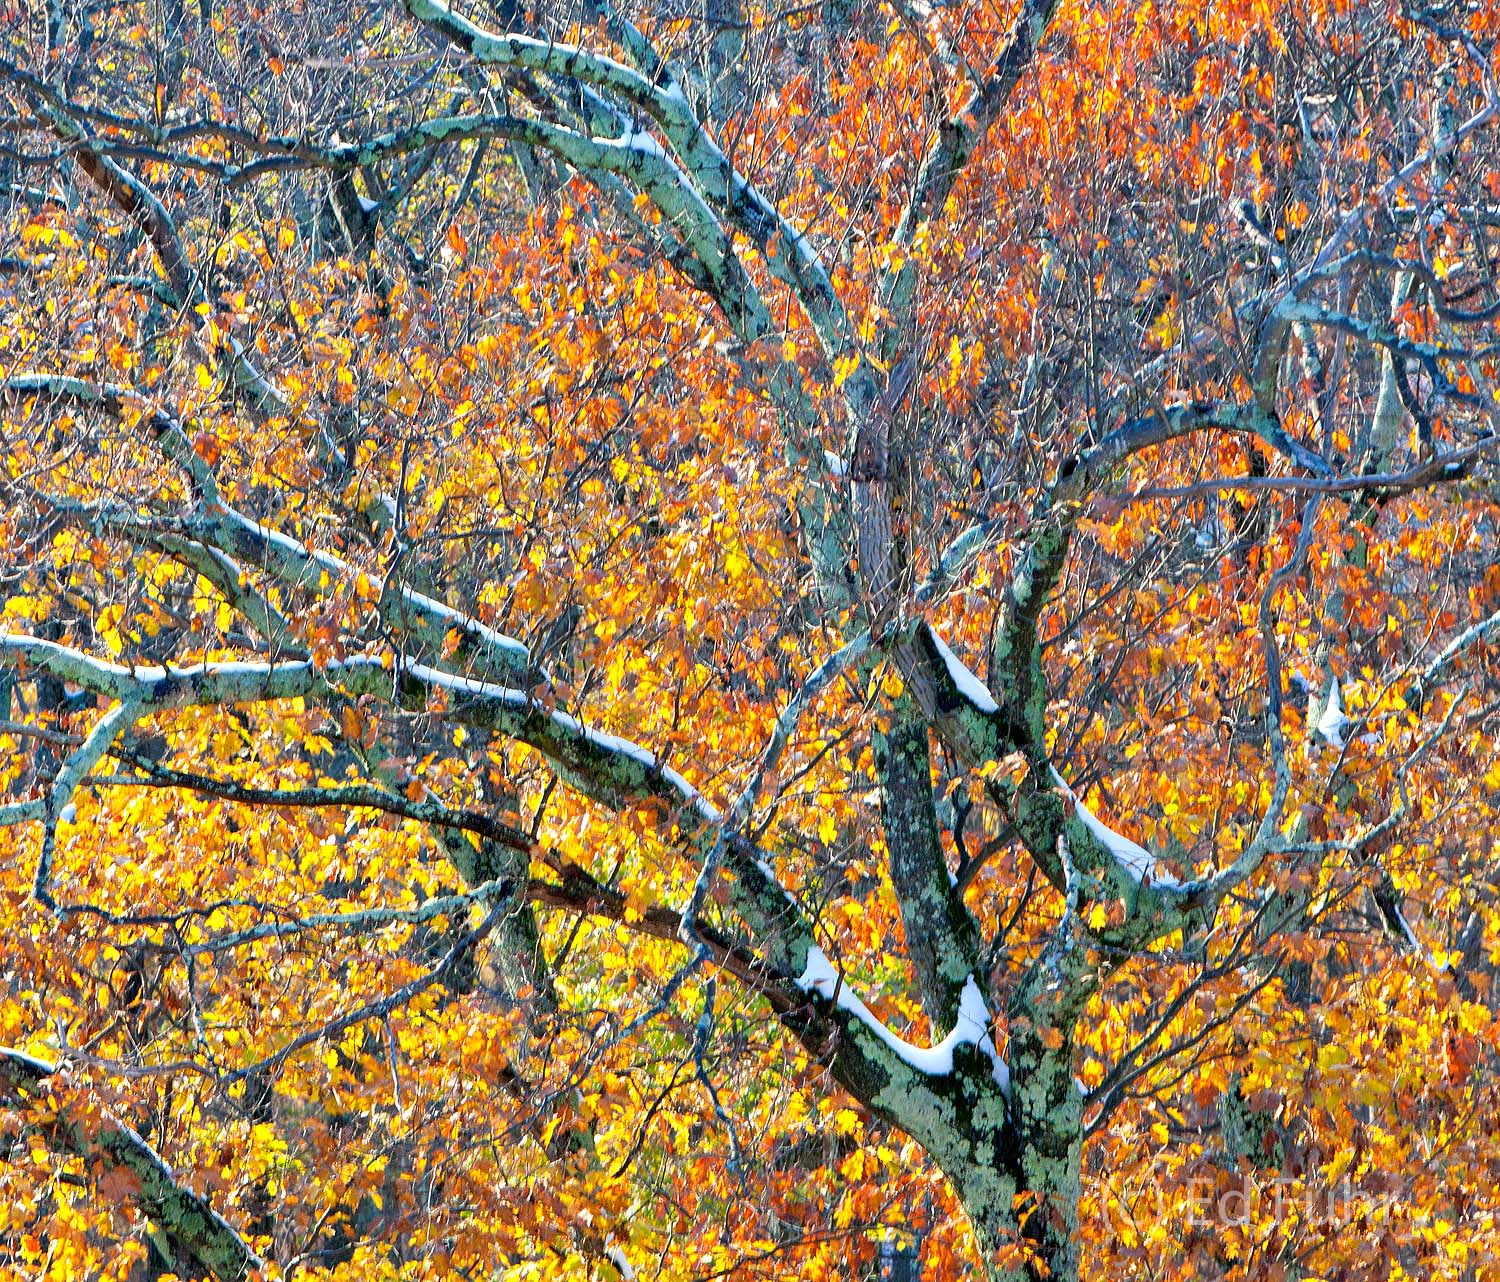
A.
pixel 570 725
pixel 970 686
pixel 622 1265
pixel 1134 859
pixel 1437 965
pixel 971 1028
pixel 1334 723
pixel 40 1067
pixel 636 140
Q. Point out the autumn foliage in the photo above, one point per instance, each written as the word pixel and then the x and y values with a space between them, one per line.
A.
pixel 745 640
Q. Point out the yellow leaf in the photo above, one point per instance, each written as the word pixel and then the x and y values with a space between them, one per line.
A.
pixel 108 628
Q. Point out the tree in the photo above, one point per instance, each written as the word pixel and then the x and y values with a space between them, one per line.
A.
pixel 505 515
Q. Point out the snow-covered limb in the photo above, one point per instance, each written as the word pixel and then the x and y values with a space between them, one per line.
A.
pixel 235 535
pixel 636 155
pixel 1415 945
pixel 233 584
pixel 1334 724
pixel 970 1029
pixel 154 687
pixel 615 1254
pixel 22 812
pixel 601 765
pixel 1470 636
pixel 429 621
pixel 189 1220
pixel 701 197
pixel 604 766
pixel 705 176
pixel 1135 859
pixel 58 806
pixel 509 49
pixel 121 403
pixel 200 555
pixel 967 684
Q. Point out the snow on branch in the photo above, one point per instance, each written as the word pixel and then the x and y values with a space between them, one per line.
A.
pixel 706 175
pixel 1470 636
pixel 121 403
pixel 627 768
pixel 1134 859
pixel 967 684
pixel 970 1029
pixel 604 766
pixel 1334 724
pixel 400 607
pixel 290 560
pixel 188 1219
pixel 153 686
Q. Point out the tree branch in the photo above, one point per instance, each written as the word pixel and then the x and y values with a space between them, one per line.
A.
pixel 103 1141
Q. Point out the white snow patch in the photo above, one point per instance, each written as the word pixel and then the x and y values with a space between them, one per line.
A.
pixel 1415 944
pixel 473 685
pixel 709 812
pixel 1134 859
pixel 38 1066
pixel 1334 724
pixel 970 686
pixel 611 743
pixel 970 1029
pixel 638 141
pixel 770 875
pixel 622 1265
pixel 1411 935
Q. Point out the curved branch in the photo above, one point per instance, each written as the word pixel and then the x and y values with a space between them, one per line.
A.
pixel 427 621
pixel 959 136
pixel 105 1141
